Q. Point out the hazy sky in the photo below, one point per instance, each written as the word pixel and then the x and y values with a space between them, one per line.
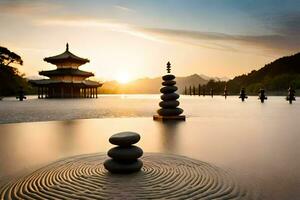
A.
pixel 137 37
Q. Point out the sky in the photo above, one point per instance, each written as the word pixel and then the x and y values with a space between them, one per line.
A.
pixel 136 38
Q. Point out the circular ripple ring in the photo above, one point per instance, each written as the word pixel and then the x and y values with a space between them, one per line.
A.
pixel 163 176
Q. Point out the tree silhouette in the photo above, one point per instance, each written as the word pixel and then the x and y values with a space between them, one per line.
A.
pixel 8 57
pixel 10 78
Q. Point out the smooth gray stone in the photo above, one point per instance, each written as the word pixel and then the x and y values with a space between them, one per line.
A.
pixel 114 166
pixel 125 139
pixel 125 153
pixel 168 89
pixel 169 104
pixel 170 111
pixel 168 77
pixel 169 97
pixel 168 83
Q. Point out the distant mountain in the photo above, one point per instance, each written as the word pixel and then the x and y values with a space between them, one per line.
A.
pixel 214 78
pixel 275 77
pixel 150 85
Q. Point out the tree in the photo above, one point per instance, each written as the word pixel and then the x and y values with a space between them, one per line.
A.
pixel 10 78
pixel 8 57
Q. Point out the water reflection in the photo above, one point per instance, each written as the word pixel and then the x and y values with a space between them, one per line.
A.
pixel 169 135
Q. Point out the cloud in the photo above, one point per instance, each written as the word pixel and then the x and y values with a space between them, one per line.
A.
pixel 123 8
pixel 286 24
pixel 284 40
pixel 224 41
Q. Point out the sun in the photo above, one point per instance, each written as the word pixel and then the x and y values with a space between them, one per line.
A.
pixel 123 77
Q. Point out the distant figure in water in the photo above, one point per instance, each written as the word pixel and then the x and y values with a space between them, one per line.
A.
pixel 243 95
pixel 212 92
pixel 262 96
pixel 21 96
pixel 225 92
pixel 291 95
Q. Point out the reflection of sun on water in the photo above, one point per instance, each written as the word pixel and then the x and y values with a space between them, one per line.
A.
pixel 123 77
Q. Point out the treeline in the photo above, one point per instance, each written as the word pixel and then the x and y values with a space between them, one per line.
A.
pixel 10 78
pixel 275 77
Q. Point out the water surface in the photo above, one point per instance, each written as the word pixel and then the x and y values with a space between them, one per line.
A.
pixel 259 143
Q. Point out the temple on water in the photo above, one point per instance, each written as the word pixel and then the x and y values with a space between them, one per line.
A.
pixel 67 81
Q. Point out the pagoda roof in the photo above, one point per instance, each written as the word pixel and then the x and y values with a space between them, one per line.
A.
pixel 84 83
pixel 66 56
pixel 66 71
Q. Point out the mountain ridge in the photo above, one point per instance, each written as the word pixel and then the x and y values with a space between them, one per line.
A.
pixel 149 85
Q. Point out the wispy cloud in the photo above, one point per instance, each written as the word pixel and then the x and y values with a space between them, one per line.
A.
pixel 123 8
pixel 226 41
pixel 286 24
pixel 212 40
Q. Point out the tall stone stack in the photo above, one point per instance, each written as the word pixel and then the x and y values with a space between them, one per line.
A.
pixel 124 157
pixel 169 105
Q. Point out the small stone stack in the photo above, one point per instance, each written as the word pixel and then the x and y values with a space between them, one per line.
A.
pixel 169 104
pixel 124 157
pixel 291 95
pixel 262 96
pixel 225 92
pixel 243 94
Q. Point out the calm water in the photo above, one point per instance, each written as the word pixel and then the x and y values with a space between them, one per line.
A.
pixel 257 142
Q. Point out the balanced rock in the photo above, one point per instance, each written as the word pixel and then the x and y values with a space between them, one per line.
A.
pixel 170 111
pixel 122 168
pixel 168 77
pixel 124 157
pixel 125 153
pixel 168 89
pixel 169 96
pixel 169 104
pixel 124 139
pixel 168 83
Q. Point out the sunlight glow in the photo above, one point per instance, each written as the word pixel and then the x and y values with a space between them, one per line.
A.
pixel 123 77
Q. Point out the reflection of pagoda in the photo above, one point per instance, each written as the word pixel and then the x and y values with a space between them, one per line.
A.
pixel 67 81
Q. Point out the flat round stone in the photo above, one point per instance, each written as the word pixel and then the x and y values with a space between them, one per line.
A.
pixel 169 97
pixel 168 83
pixel 125 153
pixel 168 89
pixel 125 139
pixel 170 111
pixel 169 104
pixel 114 166
pixel 168 77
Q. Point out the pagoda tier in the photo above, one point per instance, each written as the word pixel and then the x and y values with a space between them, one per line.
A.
pixel 66 60
pixel 66 72
pixel 50 82
pixel 48 88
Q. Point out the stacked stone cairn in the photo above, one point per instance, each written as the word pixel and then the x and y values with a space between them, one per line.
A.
pixel 169 105
pixel 124 157
pixel 243 94
pixel 291 95
pixel 225 92
pixel 262 95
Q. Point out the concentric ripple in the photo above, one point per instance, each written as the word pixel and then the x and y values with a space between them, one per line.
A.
pixel 163 176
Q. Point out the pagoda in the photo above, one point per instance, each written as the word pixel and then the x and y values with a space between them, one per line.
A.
pixel 67 80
